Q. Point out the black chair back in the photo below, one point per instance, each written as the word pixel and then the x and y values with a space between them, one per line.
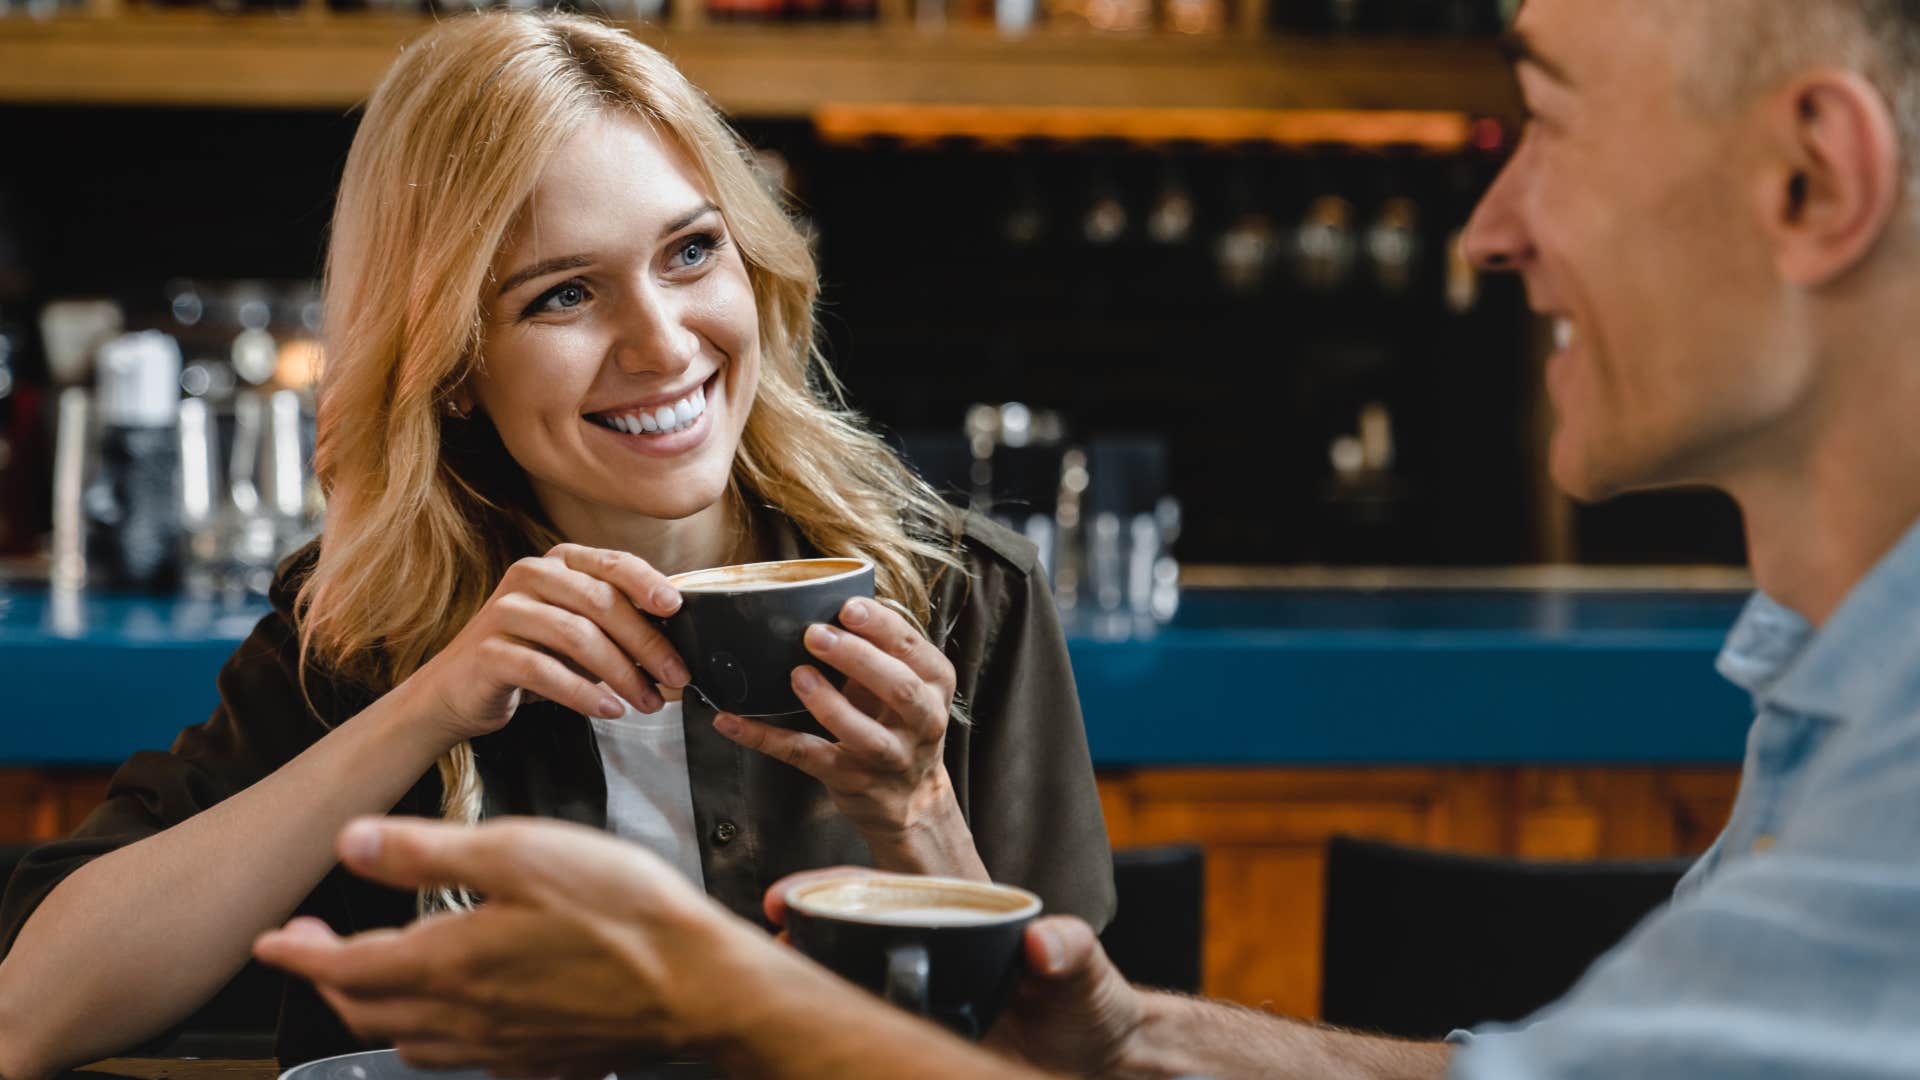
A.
pixel 1419 943
pixel 1156 935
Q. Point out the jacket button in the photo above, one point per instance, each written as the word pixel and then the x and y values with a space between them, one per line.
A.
pixel 724 832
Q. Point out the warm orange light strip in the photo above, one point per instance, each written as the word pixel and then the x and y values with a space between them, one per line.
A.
pixel 1445 132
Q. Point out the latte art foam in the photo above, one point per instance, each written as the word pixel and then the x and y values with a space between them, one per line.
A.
pixel 758 577
pixel 929 915
pixel 906 901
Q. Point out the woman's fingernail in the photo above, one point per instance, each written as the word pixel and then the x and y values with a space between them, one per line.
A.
pixel 823 636
pixel 610 708
pixel 1050 949
pixel 856 612
pixel 726 724
pixel 805 680
pixel 360 842
pixel 677 675
pixel 666 600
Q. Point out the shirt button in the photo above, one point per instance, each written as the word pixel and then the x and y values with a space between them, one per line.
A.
pixel 724 832
pixel 1763 843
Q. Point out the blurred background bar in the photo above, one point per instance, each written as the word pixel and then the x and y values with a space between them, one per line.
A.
pixel 1172 287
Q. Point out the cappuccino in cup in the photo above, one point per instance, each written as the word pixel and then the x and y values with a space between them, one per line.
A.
pixel 741 629
pixel 947 949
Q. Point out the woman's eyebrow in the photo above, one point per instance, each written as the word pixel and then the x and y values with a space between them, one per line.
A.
pixel 575 262
pixel 688 218
pixel 541 269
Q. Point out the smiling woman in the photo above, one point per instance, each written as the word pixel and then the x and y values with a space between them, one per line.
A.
pixel 570 352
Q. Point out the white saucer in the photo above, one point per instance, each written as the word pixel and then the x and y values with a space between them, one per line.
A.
pixel 386 1065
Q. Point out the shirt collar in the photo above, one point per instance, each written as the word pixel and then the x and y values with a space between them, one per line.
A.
pixel 1765 640
pixel 1866 654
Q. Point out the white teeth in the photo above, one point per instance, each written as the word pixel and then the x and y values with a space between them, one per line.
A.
pixel 1563 334
pixel 663 420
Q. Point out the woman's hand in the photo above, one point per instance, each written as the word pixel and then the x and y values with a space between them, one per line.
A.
pixel 557 626
pixel 886 771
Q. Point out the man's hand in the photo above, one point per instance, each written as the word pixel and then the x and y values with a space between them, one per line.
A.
pixel 589 953
pixel 1074 1011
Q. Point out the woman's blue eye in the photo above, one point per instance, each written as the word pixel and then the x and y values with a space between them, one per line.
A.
pixel 570 294
pixel 694 251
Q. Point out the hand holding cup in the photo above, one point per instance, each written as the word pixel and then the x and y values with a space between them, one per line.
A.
pixel 885 763
pixel 569 626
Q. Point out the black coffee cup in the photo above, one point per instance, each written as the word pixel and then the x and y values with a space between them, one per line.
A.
pixel 947 949
pixel 741 629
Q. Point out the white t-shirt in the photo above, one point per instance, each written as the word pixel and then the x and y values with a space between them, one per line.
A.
pixel 649 797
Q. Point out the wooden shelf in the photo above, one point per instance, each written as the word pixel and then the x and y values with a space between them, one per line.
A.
pixel 1008 125
pixel 313 59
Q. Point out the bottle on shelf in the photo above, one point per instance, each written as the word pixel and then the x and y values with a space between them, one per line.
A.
pixel 132 504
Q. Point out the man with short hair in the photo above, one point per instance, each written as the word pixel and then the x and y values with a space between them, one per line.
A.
pixel 1715 204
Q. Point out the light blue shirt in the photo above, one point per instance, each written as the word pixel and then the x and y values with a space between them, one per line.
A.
pixel 1792 949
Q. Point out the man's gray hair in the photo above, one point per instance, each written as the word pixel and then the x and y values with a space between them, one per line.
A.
pixel 1752 46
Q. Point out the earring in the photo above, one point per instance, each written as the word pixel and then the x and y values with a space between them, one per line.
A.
pixel 454 410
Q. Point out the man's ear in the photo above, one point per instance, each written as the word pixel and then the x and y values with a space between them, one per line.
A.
pixel 1832 179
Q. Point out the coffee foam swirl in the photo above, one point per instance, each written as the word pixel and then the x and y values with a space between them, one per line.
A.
pixel 752 577
pixel 915 902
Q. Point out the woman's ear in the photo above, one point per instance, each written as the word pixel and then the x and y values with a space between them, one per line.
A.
pixel 1832 181
pixel 459 403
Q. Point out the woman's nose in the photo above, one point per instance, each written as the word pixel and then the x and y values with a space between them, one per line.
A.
pixel 654 338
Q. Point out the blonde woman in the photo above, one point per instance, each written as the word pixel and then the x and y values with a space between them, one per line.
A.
pixel 570 350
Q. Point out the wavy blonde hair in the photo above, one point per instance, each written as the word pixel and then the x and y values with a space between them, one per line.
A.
pixel 453 141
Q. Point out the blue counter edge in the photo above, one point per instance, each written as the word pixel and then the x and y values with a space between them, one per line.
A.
pixel 1183 697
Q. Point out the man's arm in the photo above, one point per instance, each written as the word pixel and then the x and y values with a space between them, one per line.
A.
pixel 1183 1036
pixel 1076 1014
pixel 621 960
pixel 797 1021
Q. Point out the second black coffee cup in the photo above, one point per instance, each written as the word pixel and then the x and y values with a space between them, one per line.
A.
pixel 947 949
pixel 742 629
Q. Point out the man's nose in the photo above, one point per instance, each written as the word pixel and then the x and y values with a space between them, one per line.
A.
pixel 1496 237
pixel 655 338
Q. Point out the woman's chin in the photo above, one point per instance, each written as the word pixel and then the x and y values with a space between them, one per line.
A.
pixel 688 497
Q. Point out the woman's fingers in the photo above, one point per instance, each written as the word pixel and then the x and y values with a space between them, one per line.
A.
pixel 530 667
pixel 892 634
pixel 811 754
pixel 646 588
pixel 858 733
pixel 613 611
pixel 580 640
pixel 892 682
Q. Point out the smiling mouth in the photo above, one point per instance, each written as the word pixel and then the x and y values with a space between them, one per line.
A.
pixel 674 416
